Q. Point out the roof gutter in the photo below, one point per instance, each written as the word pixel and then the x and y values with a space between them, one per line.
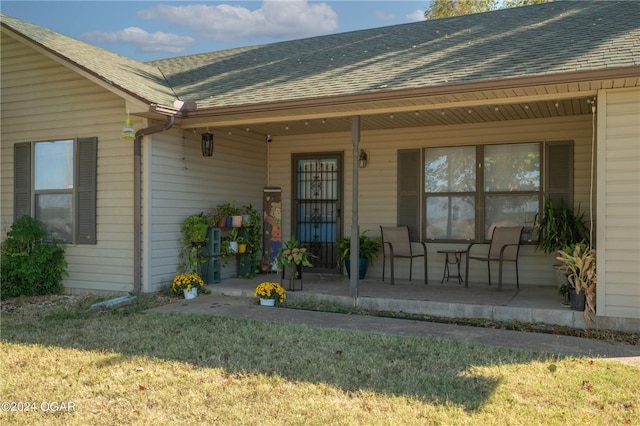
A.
pixel 137 198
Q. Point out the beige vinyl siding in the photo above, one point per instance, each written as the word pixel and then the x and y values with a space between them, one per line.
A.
pixel 619 204
pixel 42 100
pixel 378 181
pixel 183 182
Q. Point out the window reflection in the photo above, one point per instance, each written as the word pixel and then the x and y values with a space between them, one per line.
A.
pixel 55 211
pixel 54 165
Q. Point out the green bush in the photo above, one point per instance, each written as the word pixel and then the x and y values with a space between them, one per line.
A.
pixel 30 265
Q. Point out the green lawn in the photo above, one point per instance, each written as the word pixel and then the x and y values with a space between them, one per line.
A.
pixel 129 366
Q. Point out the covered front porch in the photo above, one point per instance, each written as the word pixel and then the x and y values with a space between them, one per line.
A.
pixel 529 303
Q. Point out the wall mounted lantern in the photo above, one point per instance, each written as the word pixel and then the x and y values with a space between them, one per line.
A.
pixel 207 144
pixel 363 159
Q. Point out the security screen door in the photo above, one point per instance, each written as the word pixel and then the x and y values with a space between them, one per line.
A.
pixel 316 204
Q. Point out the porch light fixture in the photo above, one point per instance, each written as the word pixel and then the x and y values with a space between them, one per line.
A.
pixel 363 159
pixel 207 144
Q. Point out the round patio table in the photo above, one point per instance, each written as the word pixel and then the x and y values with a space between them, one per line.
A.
pixel 456 259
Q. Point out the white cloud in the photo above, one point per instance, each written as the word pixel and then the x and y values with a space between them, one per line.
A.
pixel 275 18
pixel 416 16
pixel 385 16
pixel 144 41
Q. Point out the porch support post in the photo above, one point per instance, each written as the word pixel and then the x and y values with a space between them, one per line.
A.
pixel 355 226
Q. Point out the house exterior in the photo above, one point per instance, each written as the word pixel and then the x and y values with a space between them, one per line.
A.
pixel 465 123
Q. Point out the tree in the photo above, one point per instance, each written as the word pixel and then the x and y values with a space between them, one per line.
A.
pixel 446 8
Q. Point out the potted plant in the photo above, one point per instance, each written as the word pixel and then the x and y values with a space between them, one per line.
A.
pixel 222 215
pixel 559 227
pixel 269 293
pixel 231 213
pixel 217 217
pixel 194 228
pixel 233 240
pixel 292 257
pixel 194 237
pixel 369 249
pixel 188 284
pixel 579 261
pixel 251 234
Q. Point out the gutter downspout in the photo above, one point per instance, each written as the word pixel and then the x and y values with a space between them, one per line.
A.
pixel 137 198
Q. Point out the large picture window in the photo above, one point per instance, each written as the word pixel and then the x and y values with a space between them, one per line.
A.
pixel 470 190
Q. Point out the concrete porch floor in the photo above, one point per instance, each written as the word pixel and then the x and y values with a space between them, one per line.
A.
pixel 532 304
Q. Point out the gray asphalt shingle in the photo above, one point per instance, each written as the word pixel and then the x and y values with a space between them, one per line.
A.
pixel 541 40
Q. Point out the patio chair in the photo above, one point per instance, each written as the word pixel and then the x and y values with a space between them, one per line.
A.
pixel 397 244
pixel 504 247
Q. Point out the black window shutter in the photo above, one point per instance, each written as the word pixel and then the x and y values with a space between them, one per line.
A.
pixel 86 177
pixel 559 173
pixel 409 191
pixel 21 179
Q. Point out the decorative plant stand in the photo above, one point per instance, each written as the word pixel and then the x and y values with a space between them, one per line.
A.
pixel 290 275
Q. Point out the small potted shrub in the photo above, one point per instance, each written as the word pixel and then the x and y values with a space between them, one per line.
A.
pixel 270 293
pixel 369 249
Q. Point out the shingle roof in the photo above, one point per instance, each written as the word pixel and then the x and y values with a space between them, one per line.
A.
pixel 539 40
pixel 139 79
pixel 533 41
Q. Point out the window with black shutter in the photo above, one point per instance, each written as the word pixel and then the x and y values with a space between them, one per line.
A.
pixel 55 182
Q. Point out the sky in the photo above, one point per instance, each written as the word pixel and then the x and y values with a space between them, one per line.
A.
pixel 149 30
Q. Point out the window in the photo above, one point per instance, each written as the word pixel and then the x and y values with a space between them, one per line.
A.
pixel 469 190
pixel 61 191
pixel 461 193
pixel 450 186
pixel 511 179
pixel 53 187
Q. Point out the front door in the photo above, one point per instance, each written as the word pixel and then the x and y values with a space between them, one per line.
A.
pixel 317 207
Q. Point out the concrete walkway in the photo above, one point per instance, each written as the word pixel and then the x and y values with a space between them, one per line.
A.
pixel 243 307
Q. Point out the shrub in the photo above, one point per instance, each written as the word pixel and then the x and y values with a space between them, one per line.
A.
pixel 31 266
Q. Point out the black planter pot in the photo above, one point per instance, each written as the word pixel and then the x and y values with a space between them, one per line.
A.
pixel 577 300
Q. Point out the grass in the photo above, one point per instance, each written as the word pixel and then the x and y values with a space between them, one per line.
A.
pixel 131 366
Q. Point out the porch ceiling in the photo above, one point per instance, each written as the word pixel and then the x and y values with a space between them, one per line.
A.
pixel 425 118
pixel 462 104
pixel 420 118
